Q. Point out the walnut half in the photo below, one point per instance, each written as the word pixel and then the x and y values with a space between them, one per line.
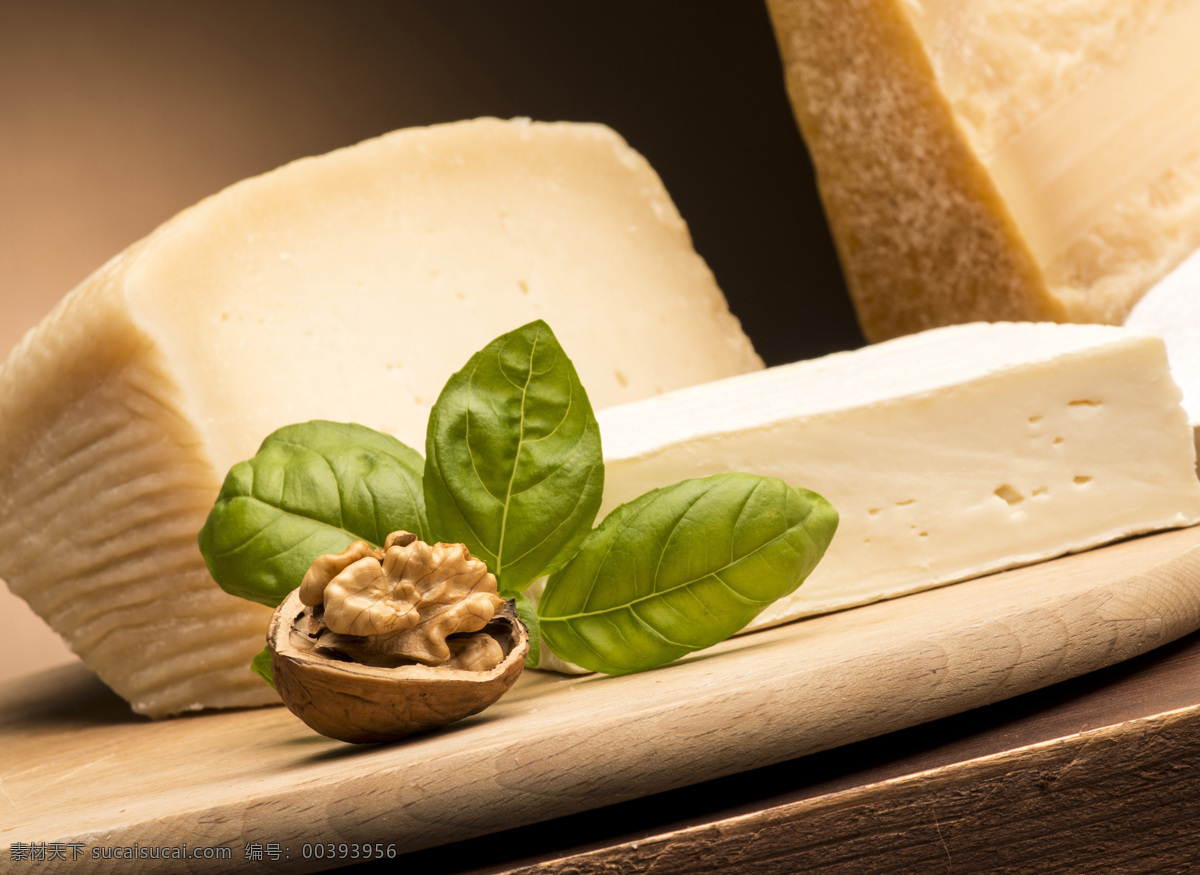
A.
pixel 379 644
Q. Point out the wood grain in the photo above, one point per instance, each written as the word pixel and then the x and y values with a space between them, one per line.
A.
pixel 77 766
pixel 1080 805
pixel 1096 774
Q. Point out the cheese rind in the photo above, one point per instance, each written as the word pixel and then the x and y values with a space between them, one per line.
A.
pixel 345 287
pixel 999 160
pixel 948 454
pixel 1171 310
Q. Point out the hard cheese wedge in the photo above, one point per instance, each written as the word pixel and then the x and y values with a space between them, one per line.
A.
pixel 948 454
pixel 999 159
pixel 347 287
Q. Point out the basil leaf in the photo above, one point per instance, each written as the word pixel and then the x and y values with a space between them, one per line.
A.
pixel 261 665
pixel 312 488
pixel 681 568
pixel 513 465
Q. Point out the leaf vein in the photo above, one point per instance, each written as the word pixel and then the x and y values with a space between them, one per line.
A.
pixel 654 630
pixel 516 456
pixel 568 519
pixel 716 572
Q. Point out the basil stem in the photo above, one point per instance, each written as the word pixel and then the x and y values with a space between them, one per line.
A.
pixel 527 614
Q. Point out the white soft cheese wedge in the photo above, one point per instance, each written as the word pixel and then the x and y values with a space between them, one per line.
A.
pixel 346 287
pixel 999 159
pixel 948 454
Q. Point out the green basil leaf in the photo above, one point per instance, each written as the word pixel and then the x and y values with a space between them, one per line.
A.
pixel 513 464
pixel 681 568
pixel 527 614
pixel 312 488
pixel 261 665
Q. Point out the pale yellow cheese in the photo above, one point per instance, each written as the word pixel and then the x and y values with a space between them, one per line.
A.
pixel 999 159
pixel 345 287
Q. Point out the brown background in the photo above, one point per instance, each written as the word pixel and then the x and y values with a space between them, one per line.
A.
pixel 115 114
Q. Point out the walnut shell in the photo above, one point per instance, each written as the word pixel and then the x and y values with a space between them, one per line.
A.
pixel 360 703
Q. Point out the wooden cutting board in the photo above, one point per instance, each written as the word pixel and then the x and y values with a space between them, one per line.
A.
pixel 77 768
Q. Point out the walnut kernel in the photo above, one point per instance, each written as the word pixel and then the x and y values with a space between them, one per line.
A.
pixel 378 644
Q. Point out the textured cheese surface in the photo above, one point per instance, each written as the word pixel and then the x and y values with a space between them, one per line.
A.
pixel 345 287
pixel 948 454
pixel 999 159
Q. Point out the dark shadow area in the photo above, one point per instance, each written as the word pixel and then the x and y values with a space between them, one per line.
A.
pixel 699 90
pixel 67 697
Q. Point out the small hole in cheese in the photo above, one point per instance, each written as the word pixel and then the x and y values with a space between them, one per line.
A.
pixel 1009 494
pixel 1081 479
